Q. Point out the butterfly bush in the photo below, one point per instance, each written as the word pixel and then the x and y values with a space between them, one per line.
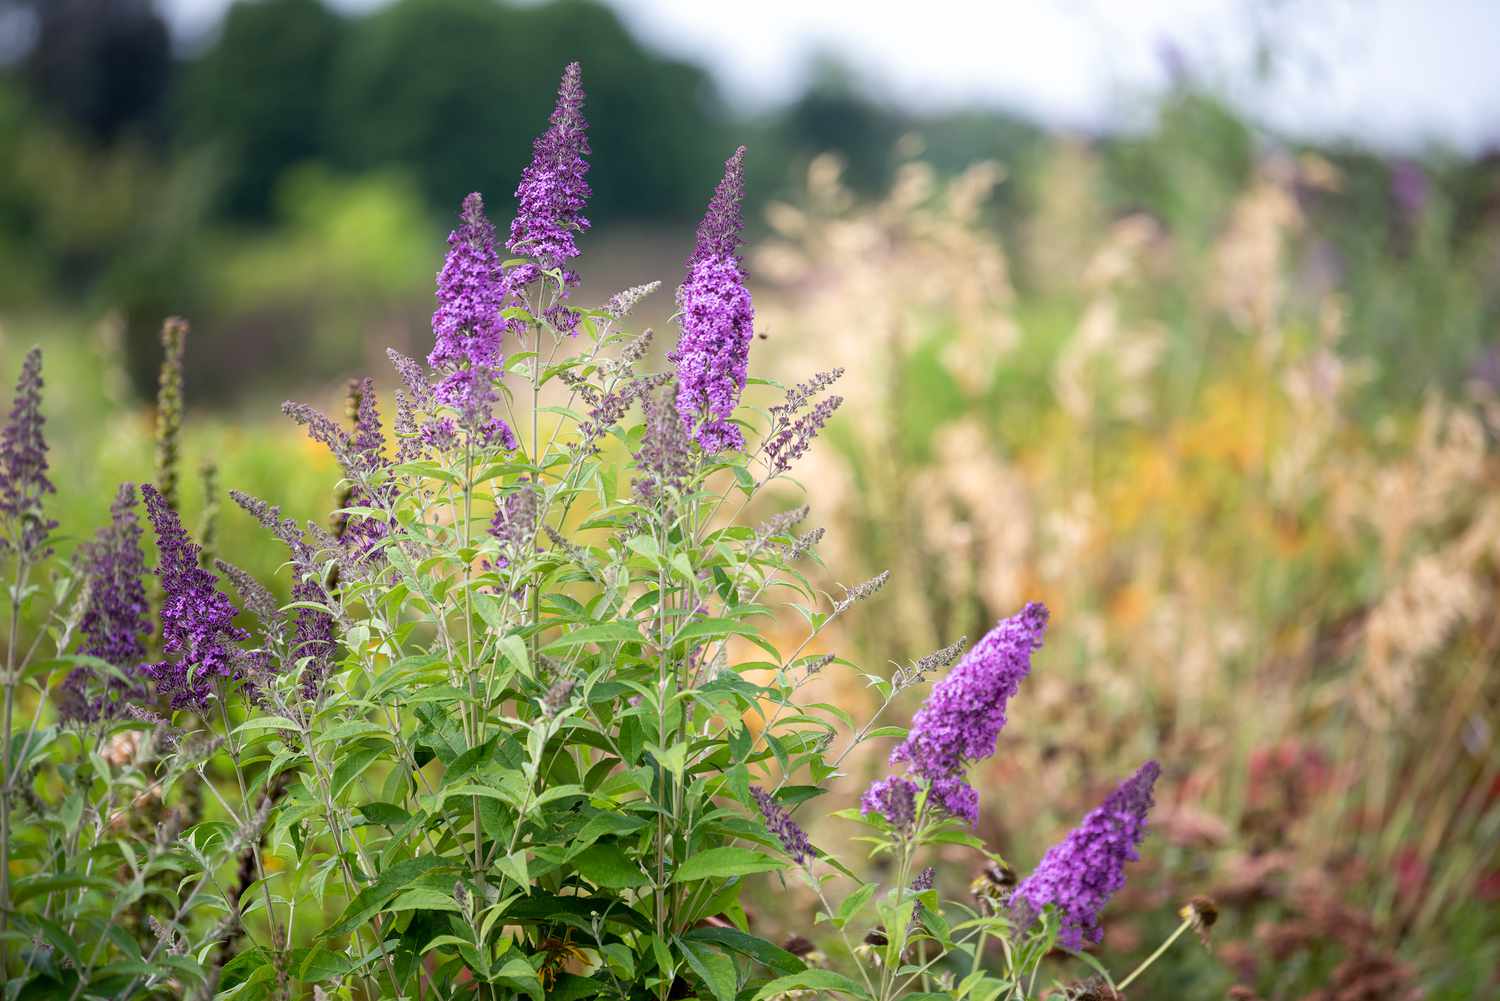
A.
pixel 520 729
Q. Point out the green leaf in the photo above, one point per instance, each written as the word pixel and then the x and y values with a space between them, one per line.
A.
pixel 519 972
pixel 814 980
pixel 266 723
pixel 353 763
pixel 385 814
pixel 673 759
pixel 719 863
pixel 572 987
pixel 852 904
pixel 758 949
pixel 323 964
pixel 646 546
pixel 605 632
pixel 715 628
pixel 422 898
pixel 35 886
pixel 716 969
pixel 547 908
pixel 395 878
pixel 607 866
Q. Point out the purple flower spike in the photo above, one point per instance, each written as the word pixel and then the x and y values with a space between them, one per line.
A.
pixel 116 615
pixel 956 798
pixel 781 824
pixel 468 327
pixel 1079 874
pixel 963 716
pixel 718 319
pixel 23 466
pixel 471 291
pixel 553 192
pixel 895 799
pixel 197 621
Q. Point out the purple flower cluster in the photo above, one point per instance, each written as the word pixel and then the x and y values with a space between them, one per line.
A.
pixel 197 621
pixel 1079 874
pixel 116 615
pixel 894 798
pixel 553 192
pixel 472 290
pixel 469 330
pixel 23 466
pixel 468 326
pixel 717 317
pixel 780 823
pixel 116 619
pixel 963 716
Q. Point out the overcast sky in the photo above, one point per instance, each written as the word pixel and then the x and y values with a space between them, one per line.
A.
pixel 1395 73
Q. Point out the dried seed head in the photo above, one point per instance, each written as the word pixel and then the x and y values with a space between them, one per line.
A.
pixel 859 592
pixel 169 407
pixel 1093 989
pixel 558 696
pixel 621 303
pixel 804 545
pixel 916 672
pixel 817 664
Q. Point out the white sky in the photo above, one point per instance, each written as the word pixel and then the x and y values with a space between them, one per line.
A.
pixel 1395 73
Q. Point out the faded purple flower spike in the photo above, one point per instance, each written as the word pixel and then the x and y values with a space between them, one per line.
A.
pixel 514 524
pixel 197 621
pixel 313 643
pixel 23 466
pixel 1079 874
pixel 553 192
pixel 718 319
pixel 895 799
pixel 116 616
pixel 664 460
pixel 963 716
pixel 780 823
pixel 368 444
pixel 791 435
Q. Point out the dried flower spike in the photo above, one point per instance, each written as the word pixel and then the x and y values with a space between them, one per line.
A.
pixel 169 407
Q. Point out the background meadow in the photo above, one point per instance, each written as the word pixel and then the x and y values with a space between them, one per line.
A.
pixel 1226 401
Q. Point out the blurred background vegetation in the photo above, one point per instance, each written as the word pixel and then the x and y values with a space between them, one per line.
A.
pixel 1225 400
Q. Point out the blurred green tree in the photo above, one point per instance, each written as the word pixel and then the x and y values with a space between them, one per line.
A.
pixel 448 89
pixel 258 96
pixel 102 65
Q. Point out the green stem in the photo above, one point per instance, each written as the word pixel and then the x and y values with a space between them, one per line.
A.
pixel 11 671
pixel 1186 924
